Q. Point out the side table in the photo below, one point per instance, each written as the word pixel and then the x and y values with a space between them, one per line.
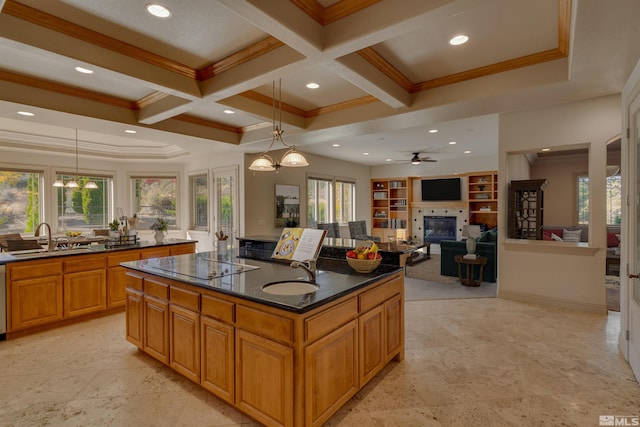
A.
pixel 468 280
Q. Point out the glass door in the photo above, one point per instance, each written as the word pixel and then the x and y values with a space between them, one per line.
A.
pixel 225 210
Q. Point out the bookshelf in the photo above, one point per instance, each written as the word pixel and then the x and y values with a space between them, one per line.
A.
pixel 390 200
pixel 483 198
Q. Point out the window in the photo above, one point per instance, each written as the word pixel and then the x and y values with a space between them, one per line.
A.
pixel 80 208
pixel 154 197
pixel 330 200
pixel 20 200
pixel 199 189
pixel 613 199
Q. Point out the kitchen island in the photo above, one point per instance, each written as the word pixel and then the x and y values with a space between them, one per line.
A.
pixel 49 289
pixel 284 360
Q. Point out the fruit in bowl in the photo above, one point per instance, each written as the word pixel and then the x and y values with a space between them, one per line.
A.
pixel 365 258
pixel 73 233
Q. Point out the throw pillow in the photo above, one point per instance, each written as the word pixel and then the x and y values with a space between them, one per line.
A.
pixel 612 240
pixel 555 237
pixel 546 235
pixel 556 231
pixel 571 235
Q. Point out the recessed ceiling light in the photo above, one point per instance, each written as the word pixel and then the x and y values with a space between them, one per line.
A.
pixel 130 131
pixel 389 160
pixel 157 10
pixel 26 113
pixel 313 85
pixel 546 149
pixel 365 154
pixel 336 145
pixel 229 112
pixel 84 70
pixel 433 130
pixel 467 152
pixel 452 142
pixel 458 40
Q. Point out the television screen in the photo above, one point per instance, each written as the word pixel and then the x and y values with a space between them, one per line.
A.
pixel 441 189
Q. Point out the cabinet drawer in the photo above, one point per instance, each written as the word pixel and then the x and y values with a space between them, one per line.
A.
pixel 133 281
pixel 189 248
pixel 30 270
pixel 331 319
pixel 380 293
pixel 156 289
pixel 184 298
pixel 154 253
pixel 265 324
pixel 217 309
pixel 81 263
pixel 115 259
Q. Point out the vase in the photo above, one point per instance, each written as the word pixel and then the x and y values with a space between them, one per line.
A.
pixel 221 246
pixel 159 236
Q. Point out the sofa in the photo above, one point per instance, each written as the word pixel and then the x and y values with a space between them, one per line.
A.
pixel 487 245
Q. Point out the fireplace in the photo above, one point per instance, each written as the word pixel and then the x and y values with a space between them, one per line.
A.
pixel 438 228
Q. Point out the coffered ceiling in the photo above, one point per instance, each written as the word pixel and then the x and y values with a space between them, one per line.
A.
pixel 385 68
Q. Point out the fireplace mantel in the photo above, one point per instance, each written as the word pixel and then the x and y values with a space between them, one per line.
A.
pixel 458 204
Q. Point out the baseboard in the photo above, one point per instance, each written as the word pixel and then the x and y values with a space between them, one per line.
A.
pixel 555 302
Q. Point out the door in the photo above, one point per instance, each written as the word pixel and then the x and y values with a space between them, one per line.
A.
pixel 633 282
pixel 225 202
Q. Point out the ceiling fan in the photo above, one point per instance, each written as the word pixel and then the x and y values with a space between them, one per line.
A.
pixel 416 159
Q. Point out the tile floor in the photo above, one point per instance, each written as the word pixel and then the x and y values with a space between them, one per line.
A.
pixel 469 362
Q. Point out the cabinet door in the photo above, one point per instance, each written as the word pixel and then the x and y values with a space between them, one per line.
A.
pixel 135 317
pixel 188 248
pixel 264 379
pixel 156 328
pixel 84 292
pixel 184 330
pixel 116 283
pixel 371 345
pixel 154 253
pixel 393 329
pixel 217 368
pixel 331 373
pixel 35 302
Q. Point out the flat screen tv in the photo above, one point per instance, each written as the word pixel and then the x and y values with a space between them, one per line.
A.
pixel 441 189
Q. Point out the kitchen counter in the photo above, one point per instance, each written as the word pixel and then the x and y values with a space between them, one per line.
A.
pixel 282 360
pixel 9 257
pixel 262 246
pixel 245 278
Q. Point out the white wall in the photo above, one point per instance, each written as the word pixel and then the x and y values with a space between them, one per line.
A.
pixel 558 273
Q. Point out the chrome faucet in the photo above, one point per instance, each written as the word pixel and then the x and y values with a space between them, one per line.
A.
pixel 50 244
pixel 309 266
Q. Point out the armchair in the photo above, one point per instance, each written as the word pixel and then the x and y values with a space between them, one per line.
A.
pixel 358 230
pixel 486 245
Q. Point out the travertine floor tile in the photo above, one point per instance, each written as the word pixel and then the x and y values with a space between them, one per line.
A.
pixel 480 362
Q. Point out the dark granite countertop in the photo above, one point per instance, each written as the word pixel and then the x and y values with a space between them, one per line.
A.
pixel 340 243
pixel 245 278
pixel 7 257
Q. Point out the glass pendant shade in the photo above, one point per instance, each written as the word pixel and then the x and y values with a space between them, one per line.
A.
pixel 72 184
pixel 262 164
pixel 58 183
pixel 91 185
pixel 293 159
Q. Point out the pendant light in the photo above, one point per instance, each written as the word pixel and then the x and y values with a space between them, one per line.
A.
pixel 292 158
pixel 73 183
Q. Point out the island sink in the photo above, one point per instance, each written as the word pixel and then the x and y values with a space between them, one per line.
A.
pixel 290 288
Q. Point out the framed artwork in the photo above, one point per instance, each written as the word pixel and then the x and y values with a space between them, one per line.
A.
pixel 287 205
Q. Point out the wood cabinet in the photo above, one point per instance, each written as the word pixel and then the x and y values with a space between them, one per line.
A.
pixel 217 343
pixel 34 294
pixel 85 285
pixel 483 198
pixel 526 208
pixel 48 292
pixel 390 200
pixel 279 367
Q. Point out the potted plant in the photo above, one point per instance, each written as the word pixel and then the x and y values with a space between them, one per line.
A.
pixel 114 228
pixel 160 227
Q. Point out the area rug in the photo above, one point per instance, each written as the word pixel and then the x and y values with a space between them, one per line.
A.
pixel 424 282
pixel 429 270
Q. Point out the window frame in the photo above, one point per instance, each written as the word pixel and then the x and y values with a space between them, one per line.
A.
pixel 108 211
pixel 155 175
pixel 193 220
pixel 41 192
pixel 334 201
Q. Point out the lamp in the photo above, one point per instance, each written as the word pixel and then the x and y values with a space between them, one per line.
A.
pixel 73 183
pixel 292 158
pixel 471 232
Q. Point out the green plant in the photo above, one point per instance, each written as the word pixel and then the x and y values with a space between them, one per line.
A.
pixel 114 225
pixel 160 224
